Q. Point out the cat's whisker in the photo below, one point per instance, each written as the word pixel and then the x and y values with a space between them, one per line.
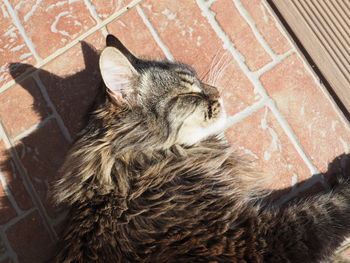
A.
pixel 204 77
pixel 153 179
pixel 212 65
pixel 227 62
pixel 219 67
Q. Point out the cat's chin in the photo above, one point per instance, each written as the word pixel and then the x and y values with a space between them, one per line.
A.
pixel 195 134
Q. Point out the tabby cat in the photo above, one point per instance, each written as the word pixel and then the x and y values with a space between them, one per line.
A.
pixel 152 179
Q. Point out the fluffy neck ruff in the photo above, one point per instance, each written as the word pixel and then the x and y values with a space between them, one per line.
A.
pixel 122 158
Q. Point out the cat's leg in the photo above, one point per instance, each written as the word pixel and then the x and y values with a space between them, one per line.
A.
pixel 309 230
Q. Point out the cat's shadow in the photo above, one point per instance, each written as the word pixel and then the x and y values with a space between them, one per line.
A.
pixel 31 164
pixel 34 160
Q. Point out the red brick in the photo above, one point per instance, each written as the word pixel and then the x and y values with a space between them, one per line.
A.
pixel 200 47
pixel 72 81
pixel 241 34
pixel 12 48
pixel 51 24
pixel 105 8
pixel 185 32
pixel 266 24
pixel 7 212
pixel 140 42
pixel 30 240
pixel 21 107
pixel 320 130
pixel 260 138
pixel 42 153
pixel 14 179
pixel 235 89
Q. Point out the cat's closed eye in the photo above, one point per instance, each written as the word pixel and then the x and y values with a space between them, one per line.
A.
pixel 195 94
pixel 158 181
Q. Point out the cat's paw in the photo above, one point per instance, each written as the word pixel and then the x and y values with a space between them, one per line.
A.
pixel 339 171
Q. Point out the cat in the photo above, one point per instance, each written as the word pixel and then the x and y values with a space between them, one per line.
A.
pixel 152 178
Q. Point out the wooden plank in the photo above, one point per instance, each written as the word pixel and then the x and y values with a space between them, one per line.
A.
pixel 323 28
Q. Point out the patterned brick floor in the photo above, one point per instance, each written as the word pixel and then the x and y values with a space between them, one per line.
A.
pixel 281 117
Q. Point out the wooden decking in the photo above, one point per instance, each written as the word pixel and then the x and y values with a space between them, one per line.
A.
pixel 323 29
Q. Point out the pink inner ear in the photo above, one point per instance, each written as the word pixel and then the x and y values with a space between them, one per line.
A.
pixel 120 86
pixel 117 73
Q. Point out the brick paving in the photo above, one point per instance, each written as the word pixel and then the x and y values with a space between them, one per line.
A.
pixel 280 116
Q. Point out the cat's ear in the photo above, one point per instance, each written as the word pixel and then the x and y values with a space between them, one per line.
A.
pixel 112 41
pixel 118 74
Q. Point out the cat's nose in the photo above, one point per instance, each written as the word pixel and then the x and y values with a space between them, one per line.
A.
pixel 211 91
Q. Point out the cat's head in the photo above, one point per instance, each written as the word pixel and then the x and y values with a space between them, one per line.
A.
pixel 166 95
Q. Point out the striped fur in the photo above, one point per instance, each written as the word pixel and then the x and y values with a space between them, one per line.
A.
pixel 137 193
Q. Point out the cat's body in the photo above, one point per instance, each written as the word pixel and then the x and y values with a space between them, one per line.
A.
pixel 139 192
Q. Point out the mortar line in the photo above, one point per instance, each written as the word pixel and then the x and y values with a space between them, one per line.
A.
pixel 317 178
pixel 253 77
pixel 27 183
pixel 32 129
pixel 9 194
pixel 154 33
pixel 227 44
pixel 46 96
pixel 105 31
pixel 9 250
pixel 73 43
pixel 268 102
pixel 246 16
pixel 94 14
pixel 272 64
pixel 248 111
pixel 209 3
pixel 279 25
pixel 316 78
pixel 17 23
pixel 16 219
pixel 306 65
pixel 293 138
